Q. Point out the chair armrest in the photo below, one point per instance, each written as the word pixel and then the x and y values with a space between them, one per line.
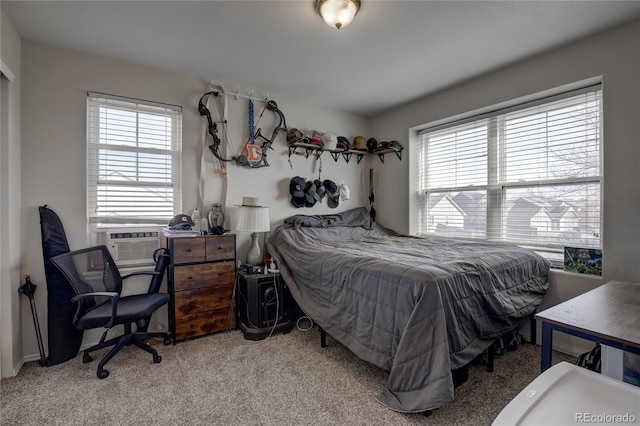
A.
pixel 140 273
pixel 152 273
pixel 112 295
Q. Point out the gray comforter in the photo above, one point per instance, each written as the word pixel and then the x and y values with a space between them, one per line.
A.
pixel 417 307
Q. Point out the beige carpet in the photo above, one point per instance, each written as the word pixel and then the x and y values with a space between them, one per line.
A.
pixel 225 380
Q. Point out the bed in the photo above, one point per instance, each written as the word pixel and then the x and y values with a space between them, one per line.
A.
pixel 416 307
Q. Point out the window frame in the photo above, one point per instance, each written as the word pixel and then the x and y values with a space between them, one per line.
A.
pixel 95 101
pixel 497 189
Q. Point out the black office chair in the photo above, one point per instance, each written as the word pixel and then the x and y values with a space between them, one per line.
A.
pixel 97 283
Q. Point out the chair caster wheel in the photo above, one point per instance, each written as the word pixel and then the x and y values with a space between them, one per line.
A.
pixel 103 374
pixel 157 359
pixel 86 358
pixel 167 341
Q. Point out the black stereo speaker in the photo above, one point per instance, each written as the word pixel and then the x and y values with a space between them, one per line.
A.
pixel 263 300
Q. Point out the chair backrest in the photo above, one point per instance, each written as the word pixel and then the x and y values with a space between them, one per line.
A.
pixel 162 258
pixel 90 270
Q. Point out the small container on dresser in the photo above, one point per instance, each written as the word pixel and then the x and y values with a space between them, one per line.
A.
pixel 201 278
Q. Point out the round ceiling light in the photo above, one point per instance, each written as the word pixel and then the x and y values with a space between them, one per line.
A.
pixel 337 13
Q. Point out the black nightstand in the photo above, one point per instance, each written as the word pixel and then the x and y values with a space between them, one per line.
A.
pixel 264 305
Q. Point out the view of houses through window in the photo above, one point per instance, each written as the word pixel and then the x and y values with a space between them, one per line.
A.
pixel 530 175
pixel 133 160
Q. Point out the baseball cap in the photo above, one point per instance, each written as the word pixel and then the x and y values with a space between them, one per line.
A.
pixel 372 144
pixel 360 143
pixel 343 143
pixel 396 145
pixel 333 194
pixel 297 187
pixel 345 192
pixel 314 137
pixel 293 136
pixel 320 189
pixel 311 194
pixel 330 141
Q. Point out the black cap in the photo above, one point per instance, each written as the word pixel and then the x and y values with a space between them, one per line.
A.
pixel 333 193
pixel 297 187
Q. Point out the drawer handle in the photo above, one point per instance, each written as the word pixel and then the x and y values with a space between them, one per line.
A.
pixel 219 248
pixel 220 273
pixel 188 250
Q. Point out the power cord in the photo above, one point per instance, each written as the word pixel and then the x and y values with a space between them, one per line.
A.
pixel 233 301
pixel 275 324
pixel 303 318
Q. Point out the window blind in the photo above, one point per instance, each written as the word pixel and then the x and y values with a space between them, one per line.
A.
pixel 528 175
pixel 133 160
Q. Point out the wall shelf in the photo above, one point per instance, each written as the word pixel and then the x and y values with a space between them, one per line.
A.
pixel 308 149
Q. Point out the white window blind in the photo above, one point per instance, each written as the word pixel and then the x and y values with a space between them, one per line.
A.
pixel 528 175
pixel 133 160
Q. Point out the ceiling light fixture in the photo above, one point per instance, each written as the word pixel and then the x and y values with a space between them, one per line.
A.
pixel 337 13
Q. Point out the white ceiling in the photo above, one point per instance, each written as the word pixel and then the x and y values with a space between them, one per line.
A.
pixel 393 52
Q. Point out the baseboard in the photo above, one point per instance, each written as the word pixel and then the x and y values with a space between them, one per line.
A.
pixel 17 368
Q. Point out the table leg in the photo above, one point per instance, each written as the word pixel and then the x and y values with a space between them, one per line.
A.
pixel 545 358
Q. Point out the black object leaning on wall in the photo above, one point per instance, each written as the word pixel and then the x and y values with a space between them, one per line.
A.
pixel 64 339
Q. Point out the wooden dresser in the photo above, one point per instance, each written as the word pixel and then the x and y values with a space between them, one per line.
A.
pixel 201 278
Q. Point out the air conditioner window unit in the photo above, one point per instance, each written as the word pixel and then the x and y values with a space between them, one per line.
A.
pixel 130 246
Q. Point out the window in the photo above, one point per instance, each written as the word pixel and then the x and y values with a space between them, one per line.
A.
pixel 133 160
pixel 529 175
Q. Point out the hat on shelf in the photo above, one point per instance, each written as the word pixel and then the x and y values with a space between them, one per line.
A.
pixel 314 137
pixel 293 135
pixel 396 145
pixel 343 143
pixel 372 144
pixel 330 141
pixel 360 143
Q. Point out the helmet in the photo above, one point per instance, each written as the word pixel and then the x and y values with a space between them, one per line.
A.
pixel 181 222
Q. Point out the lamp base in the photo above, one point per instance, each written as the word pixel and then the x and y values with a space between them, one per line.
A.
pixel 254 256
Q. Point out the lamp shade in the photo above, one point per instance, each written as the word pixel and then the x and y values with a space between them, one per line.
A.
pixel 337 13
pixel 253 219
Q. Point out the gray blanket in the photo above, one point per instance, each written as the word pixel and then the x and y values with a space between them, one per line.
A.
pixel 417 307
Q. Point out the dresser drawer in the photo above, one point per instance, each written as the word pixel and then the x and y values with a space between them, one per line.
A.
pixel 205 323
pixel 221 247
pixel 201 300
pixel 187 250
pixel 189 277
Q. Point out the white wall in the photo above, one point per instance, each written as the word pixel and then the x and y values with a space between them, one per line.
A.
pixel 613 56
pixel 55 82
pixel 10 241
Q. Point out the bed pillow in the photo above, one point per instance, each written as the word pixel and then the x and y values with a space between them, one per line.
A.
pixel 358 217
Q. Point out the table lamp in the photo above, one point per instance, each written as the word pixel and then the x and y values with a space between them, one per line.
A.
pixel 254 218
